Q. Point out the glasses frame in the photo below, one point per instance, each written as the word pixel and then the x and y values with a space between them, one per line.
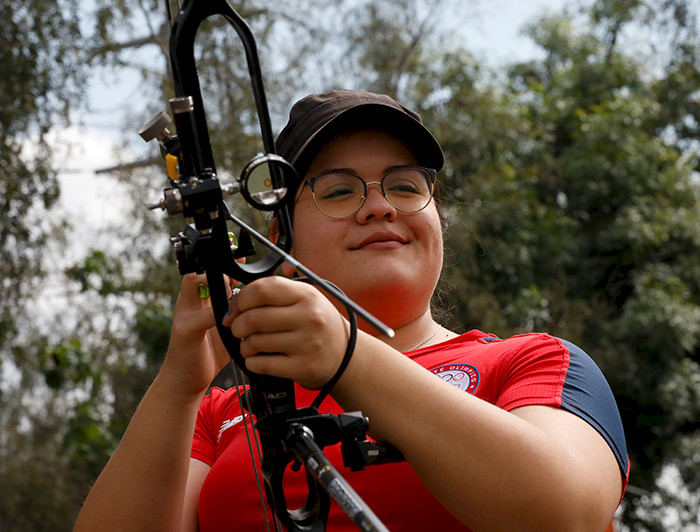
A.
pixel 429 174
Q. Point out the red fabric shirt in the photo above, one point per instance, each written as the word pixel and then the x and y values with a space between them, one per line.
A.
pixel 533 369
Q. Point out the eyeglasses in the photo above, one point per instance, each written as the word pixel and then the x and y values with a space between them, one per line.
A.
pixel 341 194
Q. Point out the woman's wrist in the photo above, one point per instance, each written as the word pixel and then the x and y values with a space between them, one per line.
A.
pixel 353 378
pixel 183 393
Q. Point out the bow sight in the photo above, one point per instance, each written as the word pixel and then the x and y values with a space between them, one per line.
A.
pixel 287 434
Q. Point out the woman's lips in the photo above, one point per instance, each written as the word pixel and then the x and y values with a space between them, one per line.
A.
pixel 383 244
pixel 382 240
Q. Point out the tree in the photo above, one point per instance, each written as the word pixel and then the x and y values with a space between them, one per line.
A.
pixel 572 179
pixel 587 225
pixel 39 88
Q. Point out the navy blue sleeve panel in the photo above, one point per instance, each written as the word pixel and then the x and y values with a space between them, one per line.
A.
pixel 587 394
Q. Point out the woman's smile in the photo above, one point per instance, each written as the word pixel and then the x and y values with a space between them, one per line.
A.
pixel 382 240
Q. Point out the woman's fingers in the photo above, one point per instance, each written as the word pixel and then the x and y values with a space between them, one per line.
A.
pixel 279 306
pixel 190 292
pixel 310 368
pixel 288 329
pixel 263 293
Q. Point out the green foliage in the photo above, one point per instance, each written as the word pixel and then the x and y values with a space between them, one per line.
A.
pixel 88 441
pixel 65 363
pixel 152 326
pixel 38 86
pixel 39 492
pixel 98 272
pixel 571 182
pixel 585 223
pixel 41 52
pixel 39 80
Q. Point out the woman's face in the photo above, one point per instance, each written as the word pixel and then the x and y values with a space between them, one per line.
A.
pixel 385 260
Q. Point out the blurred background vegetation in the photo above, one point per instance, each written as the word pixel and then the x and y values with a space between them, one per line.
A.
pixel 572 178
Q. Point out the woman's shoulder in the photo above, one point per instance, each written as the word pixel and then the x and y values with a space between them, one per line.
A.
pixel 220 400
pixel 477 341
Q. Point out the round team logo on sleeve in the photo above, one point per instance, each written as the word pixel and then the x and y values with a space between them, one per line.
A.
pixel 462 376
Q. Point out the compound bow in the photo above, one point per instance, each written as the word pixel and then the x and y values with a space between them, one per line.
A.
pixel 287 434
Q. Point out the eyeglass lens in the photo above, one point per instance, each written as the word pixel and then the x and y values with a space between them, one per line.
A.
pixel 339 195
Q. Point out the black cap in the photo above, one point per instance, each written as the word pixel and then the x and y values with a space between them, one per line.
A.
pixel 316 119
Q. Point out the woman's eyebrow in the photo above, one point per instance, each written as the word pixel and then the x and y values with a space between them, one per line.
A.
pixel 386 170
pixel 397 167
pixel 340 170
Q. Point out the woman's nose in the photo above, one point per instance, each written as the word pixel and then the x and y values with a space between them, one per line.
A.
pixel 375 205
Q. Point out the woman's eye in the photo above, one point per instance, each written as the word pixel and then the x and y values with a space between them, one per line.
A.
pixel 405 187
pixel 337 192
pixel 337 187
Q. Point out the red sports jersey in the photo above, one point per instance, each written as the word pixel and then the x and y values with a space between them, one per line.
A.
pixel 531 369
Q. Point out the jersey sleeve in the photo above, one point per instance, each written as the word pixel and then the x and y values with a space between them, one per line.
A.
pixel 553 372
pixel 205 431
pixel 533 373
pixel 587 394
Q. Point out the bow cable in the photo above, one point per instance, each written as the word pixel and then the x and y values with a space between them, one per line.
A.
pixel 248 426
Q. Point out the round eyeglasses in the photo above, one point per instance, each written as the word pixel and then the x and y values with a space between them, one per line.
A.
pixel 339 194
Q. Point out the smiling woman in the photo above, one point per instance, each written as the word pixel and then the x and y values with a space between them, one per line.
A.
pixel 402 252
pixel 498 434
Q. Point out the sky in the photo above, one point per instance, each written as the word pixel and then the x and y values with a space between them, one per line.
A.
pixel 93 199
pixel 497 31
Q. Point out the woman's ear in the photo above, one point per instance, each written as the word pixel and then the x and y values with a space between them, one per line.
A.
pixel 274 235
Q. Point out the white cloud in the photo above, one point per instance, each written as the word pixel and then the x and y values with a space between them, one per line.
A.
pixel 90 202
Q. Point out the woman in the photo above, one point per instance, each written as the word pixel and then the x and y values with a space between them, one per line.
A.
pixel 526 436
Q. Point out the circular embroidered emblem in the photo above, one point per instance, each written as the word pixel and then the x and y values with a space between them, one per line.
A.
pixel 462 376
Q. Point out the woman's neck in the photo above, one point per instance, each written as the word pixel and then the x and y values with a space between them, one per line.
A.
pixel 421 332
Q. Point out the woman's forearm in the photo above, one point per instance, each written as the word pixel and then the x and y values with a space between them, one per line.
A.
pixel 142 486
pixel 489 467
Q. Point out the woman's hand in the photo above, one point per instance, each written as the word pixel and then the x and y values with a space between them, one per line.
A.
pixel 196 353
pixel 288 329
